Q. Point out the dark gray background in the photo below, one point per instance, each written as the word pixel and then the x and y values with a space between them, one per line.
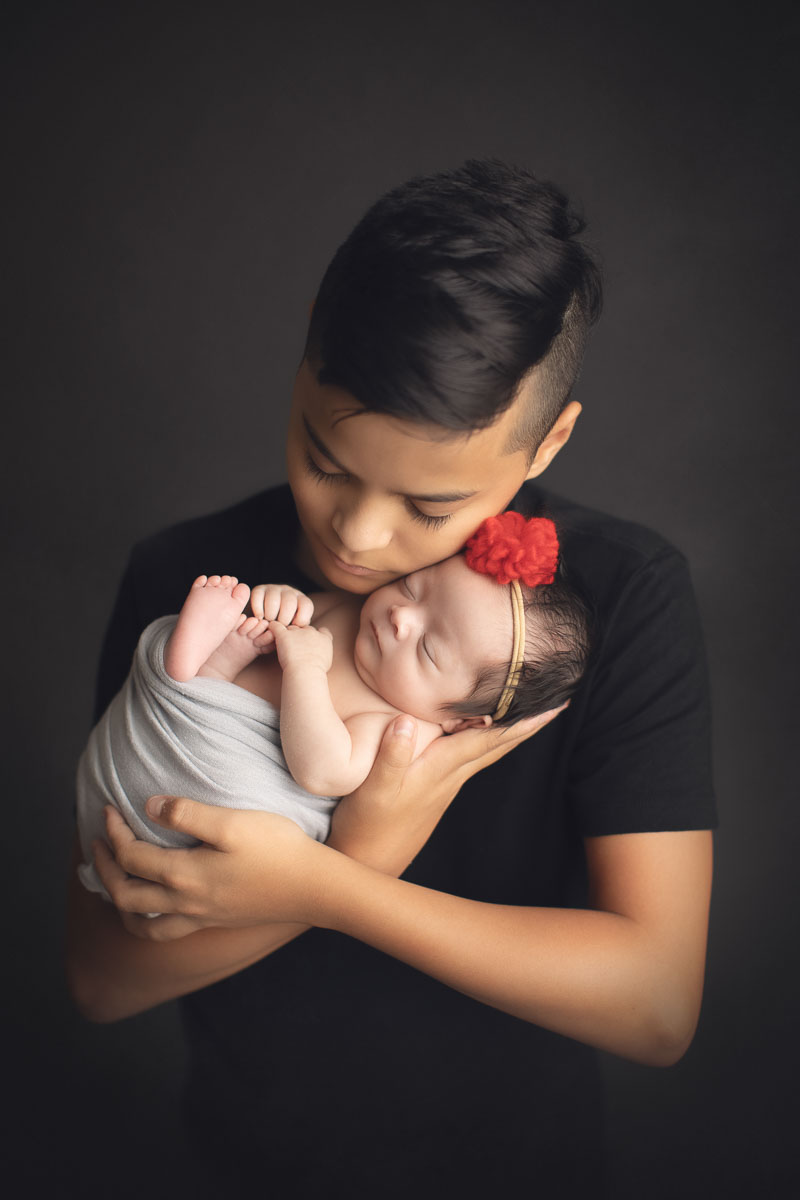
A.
pixel 177 179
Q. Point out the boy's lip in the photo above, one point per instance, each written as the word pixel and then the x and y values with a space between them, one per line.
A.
pixel 351 568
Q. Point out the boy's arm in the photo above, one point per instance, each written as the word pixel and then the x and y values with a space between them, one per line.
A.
pixel 625 976
pixel 113 974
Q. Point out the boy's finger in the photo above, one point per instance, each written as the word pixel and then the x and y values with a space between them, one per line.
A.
pixel 127 894
pixel 163 928
pixel 484 746
pixel 205 822
pixel 118 830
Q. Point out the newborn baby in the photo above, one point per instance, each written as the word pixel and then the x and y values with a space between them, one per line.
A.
pixel 214 695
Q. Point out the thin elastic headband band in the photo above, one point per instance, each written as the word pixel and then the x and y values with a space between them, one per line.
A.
pixel 517 652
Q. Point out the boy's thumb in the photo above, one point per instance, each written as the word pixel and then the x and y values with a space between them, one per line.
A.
pixel 397 748
pixel 203 821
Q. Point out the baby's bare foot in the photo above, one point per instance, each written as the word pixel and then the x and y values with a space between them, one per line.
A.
pixel 211 611
pixel 243 644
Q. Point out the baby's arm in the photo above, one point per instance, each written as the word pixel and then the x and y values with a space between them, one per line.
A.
pixel 320 750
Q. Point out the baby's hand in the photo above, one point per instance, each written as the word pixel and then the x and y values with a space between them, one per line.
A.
pixel 280 602
pixel 303 647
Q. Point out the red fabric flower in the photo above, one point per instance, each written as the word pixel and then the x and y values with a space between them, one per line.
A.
pixel 511 546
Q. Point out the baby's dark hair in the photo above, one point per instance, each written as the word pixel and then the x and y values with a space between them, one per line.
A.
pixel 557 647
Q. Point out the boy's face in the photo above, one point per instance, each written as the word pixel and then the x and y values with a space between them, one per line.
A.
pixel 379 497
pixel 423 639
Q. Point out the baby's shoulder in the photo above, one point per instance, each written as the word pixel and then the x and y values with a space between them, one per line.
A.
pixel 371 726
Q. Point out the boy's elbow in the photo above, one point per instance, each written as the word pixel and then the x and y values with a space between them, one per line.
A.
pixel 93 990
pixel 670 1032
pixel 93 1001
pixel 665 1048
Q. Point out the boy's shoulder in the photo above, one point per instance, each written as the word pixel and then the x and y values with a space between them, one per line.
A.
pixel 607 557
pixel 269 513
pixel 578 524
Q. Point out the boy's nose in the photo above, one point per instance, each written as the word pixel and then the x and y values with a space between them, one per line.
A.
pixel 362 528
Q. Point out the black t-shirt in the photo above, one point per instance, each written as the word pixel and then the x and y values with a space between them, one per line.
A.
pixel 331 1069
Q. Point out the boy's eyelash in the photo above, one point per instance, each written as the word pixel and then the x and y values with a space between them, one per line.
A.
pixel 426 519
pixel 320 475
pixel 430 522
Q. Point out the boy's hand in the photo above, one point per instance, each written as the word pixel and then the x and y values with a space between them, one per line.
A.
pixel 280 602
pixel 387 820
pixel 251 867
pixel 303 648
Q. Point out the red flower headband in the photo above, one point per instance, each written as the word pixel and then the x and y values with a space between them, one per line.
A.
pixel 511 546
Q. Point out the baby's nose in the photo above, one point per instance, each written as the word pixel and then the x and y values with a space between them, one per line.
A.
pixel 402 620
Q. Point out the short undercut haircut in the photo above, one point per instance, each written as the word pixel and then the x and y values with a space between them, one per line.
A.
pixel 449 291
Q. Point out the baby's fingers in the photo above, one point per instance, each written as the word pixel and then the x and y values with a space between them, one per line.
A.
pixel 295 608
pixel 287 608
pixel 305 609
pixel 279 602
pixel 257 600
pixel 266 600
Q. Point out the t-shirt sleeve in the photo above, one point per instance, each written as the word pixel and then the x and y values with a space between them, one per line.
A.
pixel 641 761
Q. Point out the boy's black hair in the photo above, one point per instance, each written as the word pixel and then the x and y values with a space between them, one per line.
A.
pixel 449 290
pixel 558 635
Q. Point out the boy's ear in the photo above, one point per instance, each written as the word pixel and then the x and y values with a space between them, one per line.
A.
pixel 456 724
pixel 558 436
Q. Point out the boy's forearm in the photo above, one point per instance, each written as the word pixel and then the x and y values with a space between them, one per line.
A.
pixel 599 977
pixel 111 974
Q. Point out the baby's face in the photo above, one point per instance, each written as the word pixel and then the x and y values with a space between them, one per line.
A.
pixel 423 639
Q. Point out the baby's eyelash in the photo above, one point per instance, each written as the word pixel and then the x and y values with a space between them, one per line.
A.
pixel 426 519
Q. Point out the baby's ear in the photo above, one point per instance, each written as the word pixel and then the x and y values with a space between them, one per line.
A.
pixel 456 724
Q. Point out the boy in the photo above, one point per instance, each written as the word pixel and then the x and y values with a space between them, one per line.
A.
pixel 443 344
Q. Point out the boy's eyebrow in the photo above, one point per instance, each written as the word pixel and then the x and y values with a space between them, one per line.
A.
pixel 430 498
pixel 323 449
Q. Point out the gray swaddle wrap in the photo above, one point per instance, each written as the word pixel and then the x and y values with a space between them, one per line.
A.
pixel 207 739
